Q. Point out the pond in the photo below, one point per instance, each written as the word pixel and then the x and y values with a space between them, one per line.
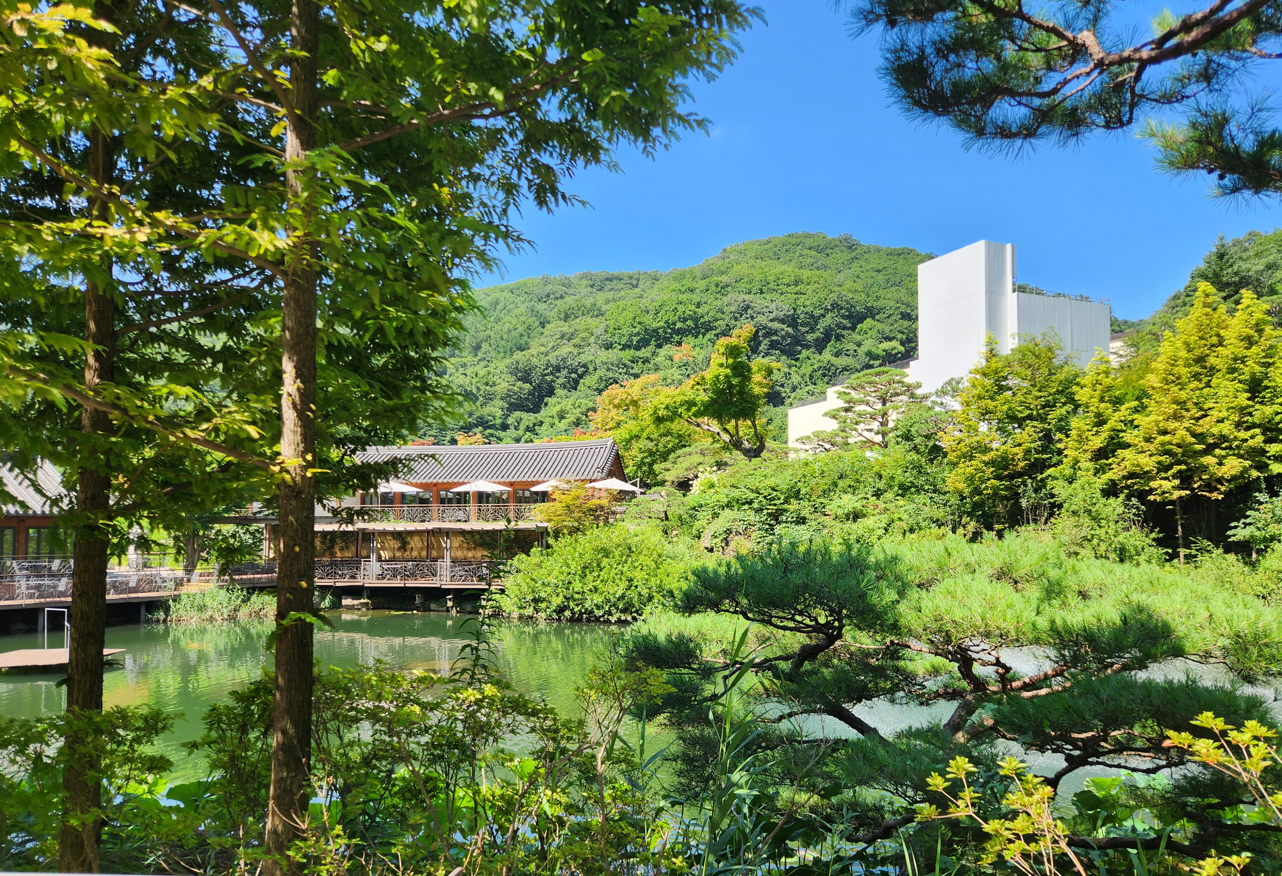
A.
pixel 183 669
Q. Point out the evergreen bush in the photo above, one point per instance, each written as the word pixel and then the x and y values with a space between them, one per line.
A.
pixel 607 573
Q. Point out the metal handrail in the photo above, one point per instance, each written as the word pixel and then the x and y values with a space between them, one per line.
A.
pixel 446 513
pixel 359 571
pixel 56 584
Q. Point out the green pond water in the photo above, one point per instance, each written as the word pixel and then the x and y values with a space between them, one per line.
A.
pixel 183 669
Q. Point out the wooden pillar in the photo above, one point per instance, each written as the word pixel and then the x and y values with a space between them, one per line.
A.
pixel 445 563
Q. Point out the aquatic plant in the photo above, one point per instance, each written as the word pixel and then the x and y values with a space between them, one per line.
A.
pixel 216 604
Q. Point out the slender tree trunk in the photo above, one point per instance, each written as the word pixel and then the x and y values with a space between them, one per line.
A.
pixel 191 553
pixel 78 843
pixel 295 570
pixel 1179 528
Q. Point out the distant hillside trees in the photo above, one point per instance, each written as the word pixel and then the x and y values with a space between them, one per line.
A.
pixel 545 348
pixel 1252 261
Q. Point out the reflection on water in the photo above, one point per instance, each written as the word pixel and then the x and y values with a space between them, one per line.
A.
pixel 183 669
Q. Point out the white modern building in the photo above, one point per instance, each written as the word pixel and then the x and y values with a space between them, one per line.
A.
pixel 963 298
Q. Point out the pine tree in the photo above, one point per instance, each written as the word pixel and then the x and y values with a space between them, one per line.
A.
pixel 871 403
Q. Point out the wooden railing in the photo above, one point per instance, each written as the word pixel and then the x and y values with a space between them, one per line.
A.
pixel 354 571
pixel 445 513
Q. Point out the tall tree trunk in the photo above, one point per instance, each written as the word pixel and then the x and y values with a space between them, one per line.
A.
pixel 78 843
pixel 1179 528
pixel 295 570
pixel 191 554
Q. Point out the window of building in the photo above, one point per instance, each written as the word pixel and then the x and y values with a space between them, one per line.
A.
pixel 448 498
pixel 8 541
pixel 491 498
pixel 422 497
pixel 45 541
pixel 529 497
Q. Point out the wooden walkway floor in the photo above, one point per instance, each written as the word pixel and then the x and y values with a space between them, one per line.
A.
pixel 42 658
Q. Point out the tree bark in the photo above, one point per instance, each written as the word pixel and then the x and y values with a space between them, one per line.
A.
pixel 295 570
pixel 78 843
pixel 1179 528
pixel 191 554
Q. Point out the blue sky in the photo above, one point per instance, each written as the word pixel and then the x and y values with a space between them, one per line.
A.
pixel 804 139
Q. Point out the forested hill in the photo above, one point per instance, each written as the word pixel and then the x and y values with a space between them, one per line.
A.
pixel 825 307
pixel 1252 261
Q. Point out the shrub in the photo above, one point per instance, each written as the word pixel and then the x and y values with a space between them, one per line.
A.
pixel 608 573
pixel 810 491
pixel 1261 527
pixel 1091 524
pixel 35 752
pixel 574 508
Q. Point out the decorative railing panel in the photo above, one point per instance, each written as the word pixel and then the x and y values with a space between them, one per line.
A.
pixel 342 571
pixel 401 570
pixel 444 513
pixel 338 570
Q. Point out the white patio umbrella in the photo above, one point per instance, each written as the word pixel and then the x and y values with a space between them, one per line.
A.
pixel 616 484
pixel 395 487
pixel 549 486
pixel 481 487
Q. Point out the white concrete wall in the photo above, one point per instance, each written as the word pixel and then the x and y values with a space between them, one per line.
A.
pixel 1082 326
pixel 808 419
pixel 962 297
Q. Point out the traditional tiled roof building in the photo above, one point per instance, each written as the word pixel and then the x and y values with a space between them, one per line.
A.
pixel 29 507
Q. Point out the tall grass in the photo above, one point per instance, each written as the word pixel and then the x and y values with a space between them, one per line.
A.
pixel 217 605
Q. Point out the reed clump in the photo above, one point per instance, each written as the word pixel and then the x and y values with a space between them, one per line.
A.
pixel 217 605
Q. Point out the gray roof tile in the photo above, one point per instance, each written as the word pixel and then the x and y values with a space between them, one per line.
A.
pixel 574 460
pixel 38 492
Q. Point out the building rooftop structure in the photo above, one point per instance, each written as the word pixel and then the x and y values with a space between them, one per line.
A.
pixel 964 298
pixel 39 493
pixel 504 463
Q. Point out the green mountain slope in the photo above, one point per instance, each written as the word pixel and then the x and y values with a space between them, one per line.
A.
pixel 1252 261
pixel 825 307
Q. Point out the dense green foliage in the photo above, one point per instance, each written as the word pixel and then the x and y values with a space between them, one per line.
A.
pixel 546 347
pixel 944 623
pixel 216 604
pixel 1005 76
pixel 1252 261
pixel 608 573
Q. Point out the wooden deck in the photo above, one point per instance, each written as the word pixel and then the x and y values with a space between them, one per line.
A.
pixel 42 658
